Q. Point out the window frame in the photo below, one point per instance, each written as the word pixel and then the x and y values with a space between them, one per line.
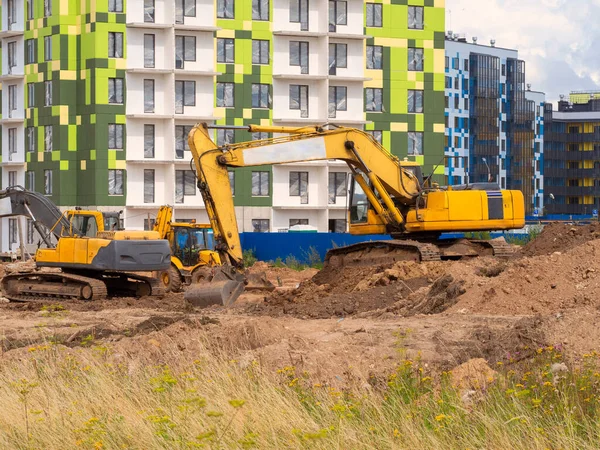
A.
pixel 412 106
pixel 226 10
pixel 30 95
pixel 48 138
pixel 259 97
pixel 48 91
pixel 303 181
pixel 334 57
pixel 304 113
pixel 225 102
pixel 147 173
pixel 300 14
pixel 333 187
pixel 415 67
pixel 374 22
pixel 418 25
pixel 118 89
pixel 181 142
pixel 113 134
pixel 147 127
pixel 303 54
pixel 149 5
pixel 259 8
pixel 187 100
pixel 115 173
pixel 333 7
pixel 376 92
pixel 186 42
pixel 149 49
pixel 149 96
pixel 260 43
pixel 420 135
pixel 115 6
pixel 259 192
pixel 47 48
pixel 261 223
pixel 335 90
pixel 113 50
pixel 223 42
pixel 372 59
pixel 48 182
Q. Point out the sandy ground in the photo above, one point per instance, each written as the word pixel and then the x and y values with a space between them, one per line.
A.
pixel 352 325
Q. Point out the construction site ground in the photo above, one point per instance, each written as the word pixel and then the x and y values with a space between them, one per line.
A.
pixel 343 326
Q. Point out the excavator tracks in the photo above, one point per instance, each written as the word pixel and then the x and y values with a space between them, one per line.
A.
pixel 39 286
pixel 388 252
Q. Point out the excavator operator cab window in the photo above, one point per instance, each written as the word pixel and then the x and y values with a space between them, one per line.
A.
pixel 198 240
pixel 112 223
pixel 359 203
pixel 86 224
pixel 416 171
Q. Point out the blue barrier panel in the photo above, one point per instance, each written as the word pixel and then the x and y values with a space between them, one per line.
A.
pixel 270 246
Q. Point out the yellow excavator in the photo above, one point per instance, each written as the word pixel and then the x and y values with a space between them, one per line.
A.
pixel 81 260
pixel 387 196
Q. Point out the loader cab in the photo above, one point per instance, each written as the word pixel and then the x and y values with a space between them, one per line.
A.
pixel 190 241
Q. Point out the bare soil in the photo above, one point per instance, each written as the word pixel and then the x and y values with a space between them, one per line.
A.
pixel 353 324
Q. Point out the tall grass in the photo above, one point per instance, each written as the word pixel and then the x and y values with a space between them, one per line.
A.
pixel 57 398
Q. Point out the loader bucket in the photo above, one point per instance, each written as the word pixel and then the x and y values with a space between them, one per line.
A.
pixel 258 282
pixel 222 293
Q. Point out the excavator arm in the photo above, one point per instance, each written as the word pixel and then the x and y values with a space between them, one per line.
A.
pixel 358 149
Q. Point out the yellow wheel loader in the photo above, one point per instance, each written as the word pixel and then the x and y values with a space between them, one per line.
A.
pixel 81 260
pixel 387 196
pixel 193 258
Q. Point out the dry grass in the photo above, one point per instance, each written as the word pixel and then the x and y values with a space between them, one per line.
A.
pixel 57 398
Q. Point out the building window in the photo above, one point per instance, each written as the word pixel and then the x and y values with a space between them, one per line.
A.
pixel 30 45
pixel 115 45
pixel 115 90
pixel 299 55
pixel 30 95
pixel 47 182
pixel 225 137
pixel 294 222
pixel 299 13
pixel 415 143
pixel 337 186
pixel 225 95
pixel 185 184
pixel 299 186
pixel 12 232
pixel 181 140
pixel 148 185
pixel 337 225
pixel 374 56
pixel 12 143
pixel 115 182
pixel 185 50
pixel 185 95
pixel 48 138
pixel 115 6
pixel 338 57
pixel 338 100
pixel 225 9
pixel 374 99
pixel 231 174
pixel 148 96
pixel 149 224
pixel 47 8
pixel 12 13
pixel 30 231
pixel 378 135
pixel 225 50
pixel 149 51
pixel 149 11
pixel 47 48
pixel 12 99
pixel 31 139
pixel 29 9
pixel 149 139
pixel 260 52
pixel 12 56
pixel 299 99
pixel 415 59
pixel 415 101
pixel 12 178
pixel 261 184
pixel 47 93
pixel 466 65
pixel 260 9
pixel 260 225
pixel 415 17
pixel 115 136
pixel 374 15
pixel 261 95
pixel 260 136
pixel 338 14
pixel 183 9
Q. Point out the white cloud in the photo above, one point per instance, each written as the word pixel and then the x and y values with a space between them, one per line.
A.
pixel 558 39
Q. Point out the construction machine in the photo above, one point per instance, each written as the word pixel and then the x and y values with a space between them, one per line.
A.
pixel 387 196
pixel 193 258
pixel 81 260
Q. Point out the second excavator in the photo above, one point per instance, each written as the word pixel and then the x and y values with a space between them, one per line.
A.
pixel 387 196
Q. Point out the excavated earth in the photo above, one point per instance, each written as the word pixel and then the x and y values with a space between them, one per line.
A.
pixel 347 325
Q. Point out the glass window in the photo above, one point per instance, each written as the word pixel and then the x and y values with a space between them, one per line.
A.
pixel 115 45
pixel 185 184
pixel 261 95
pixel 115 182
pixel 299 55
pixel 12 232
pixel 260 225
pixel 30 95
pixel 47 48
pixel 231 174
pixel 299 186
pixel 337 186
pixel 415 101
pixel 115 90
pixel 225 50
pixel 12 143
pixel 378 135
pixel 47 8
pixel 149 50
pixel 31 139
pixel 48 138
pixel 415 143
pixel 260 52
pixel 374 15
pixel 415 17
pixel 148 185
pixel 115 136
pixel 181 140
pixel 338 57
pixel 29 9
pixel 260 9
pixel 294 222
pixel 225 137
pixel 149 11
pixel 115 5
pixel 183 9
pixel 148 96
pixel 225 95
pixel 374 99
pixel 47 93
pixel 47 182
pixel 185 95
pixel 260 136
pixel 338 100
pixel 185 50
pixel 261 184
pixel 374 56
pixel 149 139
pixel 299 13
pixel 225 9
pixel 299 99
pixel 30 45
pixel 338 14
pixel 415 59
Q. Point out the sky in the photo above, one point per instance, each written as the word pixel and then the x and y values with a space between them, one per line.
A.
pixel 559 40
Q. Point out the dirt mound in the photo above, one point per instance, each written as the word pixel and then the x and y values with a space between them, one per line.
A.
pixel 560 237
pixel 474 374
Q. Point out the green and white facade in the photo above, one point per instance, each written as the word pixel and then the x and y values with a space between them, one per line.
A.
pixel 97 97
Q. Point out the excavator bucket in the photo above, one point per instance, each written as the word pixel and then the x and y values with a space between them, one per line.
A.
pixel 258 282
pixel 214 293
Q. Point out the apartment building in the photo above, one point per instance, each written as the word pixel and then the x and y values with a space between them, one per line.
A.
pixel 99 97
pixel 572 155
pixel 494 122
